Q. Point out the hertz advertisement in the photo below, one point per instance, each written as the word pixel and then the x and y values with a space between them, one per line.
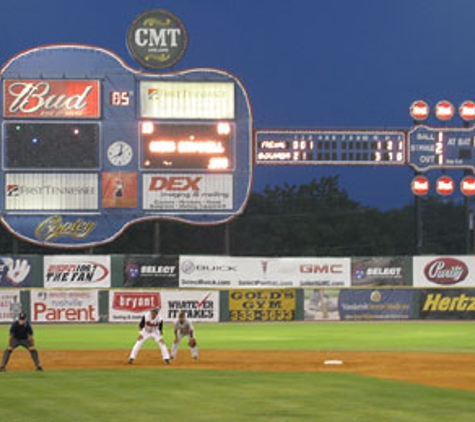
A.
pixel 447 304
pixel 262 305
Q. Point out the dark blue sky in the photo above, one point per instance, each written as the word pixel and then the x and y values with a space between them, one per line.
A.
pixel 311 64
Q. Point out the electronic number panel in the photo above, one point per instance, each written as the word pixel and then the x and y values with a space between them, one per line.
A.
pixel 89 146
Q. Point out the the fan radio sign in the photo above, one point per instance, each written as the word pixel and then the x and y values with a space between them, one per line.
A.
pixel 84 157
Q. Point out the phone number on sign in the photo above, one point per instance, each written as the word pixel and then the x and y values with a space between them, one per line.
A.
pixel 264 315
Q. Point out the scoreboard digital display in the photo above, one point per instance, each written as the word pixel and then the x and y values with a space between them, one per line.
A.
pixel 83 158
pixel 330 147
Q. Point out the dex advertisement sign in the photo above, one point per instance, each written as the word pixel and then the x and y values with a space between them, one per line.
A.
pixel 185 192
pixel 72 271
pixel 444 271
pixel 64 306
pixel 130 306
pixel 239 272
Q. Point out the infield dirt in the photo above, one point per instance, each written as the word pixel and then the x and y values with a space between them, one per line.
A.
pixel 435 369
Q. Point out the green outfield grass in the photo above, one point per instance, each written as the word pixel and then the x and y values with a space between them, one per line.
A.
pixel 413 336
pixel 169 394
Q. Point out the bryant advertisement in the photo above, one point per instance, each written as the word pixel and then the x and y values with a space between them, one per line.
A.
pixel 17 270
pixel 150 271
pixel 447 304
pixel 130 306
pixel 380 271
pixel 72 271
pixel 382 304
pixel 262 305
pixel 91 146
pixel 64 306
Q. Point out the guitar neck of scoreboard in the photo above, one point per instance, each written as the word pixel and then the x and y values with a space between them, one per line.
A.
pixel 422 147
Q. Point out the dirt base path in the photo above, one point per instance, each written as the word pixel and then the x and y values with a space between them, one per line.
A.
pixel 436 369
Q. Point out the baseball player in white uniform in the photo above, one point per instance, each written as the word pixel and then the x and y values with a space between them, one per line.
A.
pixel 151 326
pixel 184 328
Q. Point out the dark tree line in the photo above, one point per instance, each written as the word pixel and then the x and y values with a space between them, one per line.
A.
pixel 314 219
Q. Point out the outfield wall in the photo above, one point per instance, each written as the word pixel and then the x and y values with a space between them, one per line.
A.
pixel 119 288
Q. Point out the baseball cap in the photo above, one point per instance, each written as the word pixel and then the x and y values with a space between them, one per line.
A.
pixel 156 310
pixel 22 315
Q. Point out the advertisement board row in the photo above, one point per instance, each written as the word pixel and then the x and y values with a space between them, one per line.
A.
pixel 225 272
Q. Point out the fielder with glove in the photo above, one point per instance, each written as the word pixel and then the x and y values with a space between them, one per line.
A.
pixel 184 328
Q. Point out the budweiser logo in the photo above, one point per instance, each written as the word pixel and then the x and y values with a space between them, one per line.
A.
pixel 41 98
pixel 446 271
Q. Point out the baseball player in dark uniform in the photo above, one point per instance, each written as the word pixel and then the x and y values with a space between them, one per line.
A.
pixel 21 334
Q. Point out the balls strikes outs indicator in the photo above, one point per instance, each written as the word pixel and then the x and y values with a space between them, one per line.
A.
pixel 445 186
pixel 467 111
pixel 444 110
pixel 467 186
pixel 419 110
pixel 420 185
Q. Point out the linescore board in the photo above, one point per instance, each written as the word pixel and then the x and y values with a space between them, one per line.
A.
pixel 421 147
pixel 90 146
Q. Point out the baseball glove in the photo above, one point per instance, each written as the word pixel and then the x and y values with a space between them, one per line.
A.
pixel 192 342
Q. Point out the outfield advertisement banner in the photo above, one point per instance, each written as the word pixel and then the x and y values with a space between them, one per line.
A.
pixel 321 305
pixel 239 272
pixel 262 305
pixel 381 304
pixel 16 271
pixel 151 271
pixel 380 271
pixel 444 271
pixel 9 304
pixel 64 306
pixel 447 304
pixel 130 305
pixel 72 271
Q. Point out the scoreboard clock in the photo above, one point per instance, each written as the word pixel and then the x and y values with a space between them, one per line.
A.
pixel 90 146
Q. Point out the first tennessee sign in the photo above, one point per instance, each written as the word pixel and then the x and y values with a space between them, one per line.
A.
pixel 51 98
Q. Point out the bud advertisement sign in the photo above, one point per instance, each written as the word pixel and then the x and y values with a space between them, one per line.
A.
pixel 9 305
pixel 130 306
pixel 64 306
pixel 380 271
pixel 239 272
pixel 447 304
pixel 262 305
pixel 16 271
pixel 151 271
pixel 73 271
pixel 367 304
pixel 57 99
pixel 187 192
pixel 444 271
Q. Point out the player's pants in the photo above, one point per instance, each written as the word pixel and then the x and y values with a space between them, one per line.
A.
pixel 145 336
pixel 26 343
pixel 194 350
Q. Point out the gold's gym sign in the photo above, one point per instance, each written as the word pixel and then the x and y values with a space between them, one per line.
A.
pixel 157 39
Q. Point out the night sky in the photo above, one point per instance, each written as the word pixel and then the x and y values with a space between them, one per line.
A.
pixel 306 64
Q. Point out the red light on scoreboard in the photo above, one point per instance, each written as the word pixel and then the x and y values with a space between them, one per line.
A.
pixel 420 185
pixel 419 110
pixel 444 110
pixel 467 110
pixel 467 186
pixel 445 186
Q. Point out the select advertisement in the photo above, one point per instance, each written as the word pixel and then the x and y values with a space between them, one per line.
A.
pixel 368 304
pixel 444 271
pixel 72 271
pixel 243 272
pixel 64 306
pixel 130 305
pixel 10 305
pixel 151 271
pixel 447 304
pixel 380 271
pixel 262 305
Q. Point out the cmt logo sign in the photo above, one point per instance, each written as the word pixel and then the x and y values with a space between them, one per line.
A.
pixel 174 183
pixel 321 269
